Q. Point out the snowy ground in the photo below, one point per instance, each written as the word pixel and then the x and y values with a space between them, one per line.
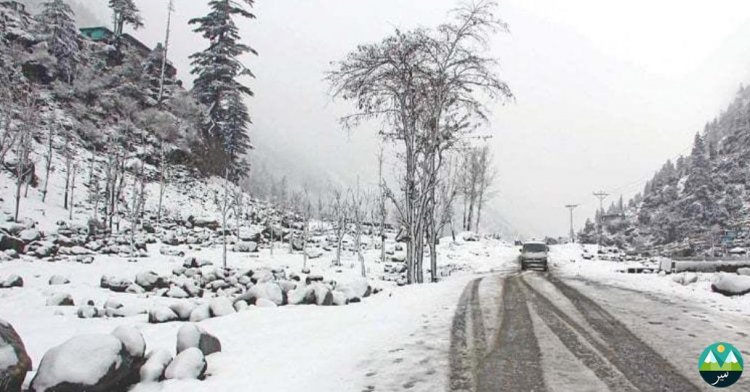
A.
pixel 396 336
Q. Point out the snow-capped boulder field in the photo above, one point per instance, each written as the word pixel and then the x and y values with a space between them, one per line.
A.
pixel 14 361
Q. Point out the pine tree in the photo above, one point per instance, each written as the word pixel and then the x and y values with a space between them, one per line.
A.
pixel 125 12
pixel 58 28
pixel 218 69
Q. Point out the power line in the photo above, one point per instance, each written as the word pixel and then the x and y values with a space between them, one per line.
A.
pixel 601 195
pixel 572 207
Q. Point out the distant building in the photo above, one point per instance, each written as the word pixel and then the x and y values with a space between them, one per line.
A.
pixel 103 34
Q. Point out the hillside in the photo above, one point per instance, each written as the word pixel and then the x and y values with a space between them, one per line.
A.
pixel 697 202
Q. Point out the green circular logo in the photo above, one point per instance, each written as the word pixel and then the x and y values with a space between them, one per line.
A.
pixel 720 365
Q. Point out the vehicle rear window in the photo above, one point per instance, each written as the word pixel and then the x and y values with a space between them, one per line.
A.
pixel 534 248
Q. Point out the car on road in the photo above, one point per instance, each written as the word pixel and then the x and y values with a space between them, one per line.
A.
pixel 534 255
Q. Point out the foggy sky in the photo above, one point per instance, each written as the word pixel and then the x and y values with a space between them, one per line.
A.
pixel 605 91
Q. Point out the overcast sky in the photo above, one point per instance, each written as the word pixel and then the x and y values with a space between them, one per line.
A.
pixel 606 90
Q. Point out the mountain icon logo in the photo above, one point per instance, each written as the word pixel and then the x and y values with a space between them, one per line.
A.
pixel 720 365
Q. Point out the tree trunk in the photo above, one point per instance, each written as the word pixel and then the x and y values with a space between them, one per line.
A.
pixel 224 219
pixel 162 180
pixel 72 191
pixel 48 166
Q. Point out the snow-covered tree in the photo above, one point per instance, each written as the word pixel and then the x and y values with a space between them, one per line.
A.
pixel 57 27
pixel 218 86
pixel 125 12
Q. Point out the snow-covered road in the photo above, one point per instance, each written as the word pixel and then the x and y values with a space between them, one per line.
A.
pixel 546 333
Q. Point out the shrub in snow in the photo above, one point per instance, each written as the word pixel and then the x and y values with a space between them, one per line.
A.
pixel 156 363
pixel 12 281
pixel 91 363
pixel 187 365
pixel 270 291
pixel 731 285
pixel 14 361
pixel 161 314
pixel 56 280
pixel 221 306
pixel 150 280
pixel 183 309
pixel 60 299
pixel 191 335
pixel 200 313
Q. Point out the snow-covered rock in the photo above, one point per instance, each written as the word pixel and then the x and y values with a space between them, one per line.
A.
pixel 8 242
pixel 177 292
pixel 354 287
pixel 191 335
pixel 270 291
pixel 12 281
pixel 89 312
pixel 245 247
pixel 161 314
pixel 323 294
pixel 132 339
pixel 731 285
pixel 250 234
pixel 744 271
pixel 29 235
pixel 265 303
pixel 114 283
pixel 187 365
pixel 314 253
pixel 339 298
pixel 156 363
pixel 200 313
pixel 221 306
pixel 85 363
pixel 14 361
pixel 183 309
pixel 685 278
pixel 56 280
pixel 150 280
pixel 60 299
pixel 304 295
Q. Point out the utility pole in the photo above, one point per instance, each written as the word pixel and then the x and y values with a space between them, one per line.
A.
pixel 601 195
pixel 572 207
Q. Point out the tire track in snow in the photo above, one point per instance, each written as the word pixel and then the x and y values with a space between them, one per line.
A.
pixel 642 366
pixel 464 340
pixel 515 363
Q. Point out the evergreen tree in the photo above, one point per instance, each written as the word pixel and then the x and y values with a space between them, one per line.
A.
pixel 125 12
pixel 217 86
pixel 58 28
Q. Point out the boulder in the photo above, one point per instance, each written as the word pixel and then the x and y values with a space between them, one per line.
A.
pixel 8 242
pixel 731 285
pixel 151 280
pixel 270 291
pixel 250 234
pixel 313 278
pixel 183 309
pixel 200 313
pixel 314 253
pixel 113 304
pixel 90 363
pixel 14 361
pixel 89 312
pixel 156 363
pixel 240 306
pixel 354 287
pixel 339 298
pixel 135 289
pixel 221 306
pixel 191 335
pixel 177 292
pixel 57 280
pixel 41 249
pixel 170 251
pixel 323 294
pixel 29 235
pixel 304 295
pixel 118 285
pixel 685 279
pixel 187 365
pixel 743 271
pixel 12 281
pixel 265 303
pixel 60 299
pixel 161 314
pixel 245 247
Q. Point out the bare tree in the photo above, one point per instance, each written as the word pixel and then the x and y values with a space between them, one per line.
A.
pixel 72 191
pixel 423 85
pixel 358 206
pixel 338 211
pixel 47 163
pixel 23 169
pixel 487 175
